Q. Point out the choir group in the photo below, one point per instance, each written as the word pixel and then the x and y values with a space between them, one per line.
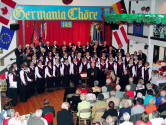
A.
pixel 41 67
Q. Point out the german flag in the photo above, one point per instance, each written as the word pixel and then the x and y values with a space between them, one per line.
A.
pixel 119 7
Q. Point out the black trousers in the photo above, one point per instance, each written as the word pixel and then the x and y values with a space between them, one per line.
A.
pixel 31 89
pixel 57 81
pixel 50 83
pixel 13 96
pixel 75 78
pixel 40 85
pixel 23 93
pixel 66 80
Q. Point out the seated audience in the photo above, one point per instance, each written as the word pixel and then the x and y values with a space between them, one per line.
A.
pixel 162 108
pixel 129 92
pixel 83 88
pixel 144 120
pixel 118 93
pixel 75 100
pixel 47 108
pixel 90 97
pixel 98 108
pixel 162 95
pixel 110 121
pixel 96 89
pixel 125 108
pixel 111 111
pixel 131 83
pixel 4 112
pixel 105 92
pixel 64 117
pixel 109 85
pixel 156 119
pixel 114 99
pixel 10 114
pixel 150 107
pixel 138 108
pixel 16 120
pixel 126 118
pixel 83 105
pixel 37 119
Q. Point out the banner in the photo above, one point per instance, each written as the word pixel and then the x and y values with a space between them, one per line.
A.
pixel 27 12
pixel 138 28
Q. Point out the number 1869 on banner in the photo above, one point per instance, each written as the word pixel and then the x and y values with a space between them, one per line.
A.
pixel 66 24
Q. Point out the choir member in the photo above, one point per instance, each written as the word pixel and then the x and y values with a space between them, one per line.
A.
pixel 66 72
pixel 57 74
pixel 112 65
pixel 139 71
pixel 141 56
pixel 84 50
pixel 127 59
pixel 65 57
pixel 49 58
pixel 85 65
pixel 103 68
pixel 47 47
pixel 39 47
pixel 147 73
pixel 92 74
pixel 120 50
pixel 131 69
pixel 88 57
pixel 32 77
pixel 12 89
pixel 79 58
pixel 24 83
pixel 79 47
pixel 34 60
pixel 105 47
pixel 49 76
pixel 135 56
pixel 124 80
pixel 19 55
pixel 112 51
pixel 75 70
pixel 56 58
pixel 120 67
pixel 88 46
pixel 39 72
pixel 55 46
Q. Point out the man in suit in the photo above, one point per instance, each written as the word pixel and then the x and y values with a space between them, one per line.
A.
pixel 120 50
pixel 141 56
pixel 93 74
pixel 19 56
pixel 47 109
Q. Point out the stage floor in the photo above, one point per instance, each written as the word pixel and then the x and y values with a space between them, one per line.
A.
pixel 36 102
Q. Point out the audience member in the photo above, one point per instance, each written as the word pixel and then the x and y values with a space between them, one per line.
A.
pixel 64 117
pixel 144 120
pixel 126 118
pixel 37 119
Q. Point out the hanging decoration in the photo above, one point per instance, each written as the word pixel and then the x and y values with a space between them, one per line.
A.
pixel 130 18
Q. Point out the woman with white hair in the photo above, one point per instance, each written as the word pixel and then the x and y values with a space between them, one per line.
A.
pixel 64 117
pixel 126 118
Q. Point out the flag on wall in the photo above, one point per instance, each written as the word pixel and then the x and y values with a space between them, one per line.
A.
pixel 43 31
pixel 121 36
pixel 6 37
pixel 119 7
pixel 138 28
pixel 35 36
pixel 7 7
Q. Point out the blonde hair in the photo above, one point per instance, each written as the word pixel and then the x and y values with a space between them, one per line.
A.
pixel 78 92
pixel 65 105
